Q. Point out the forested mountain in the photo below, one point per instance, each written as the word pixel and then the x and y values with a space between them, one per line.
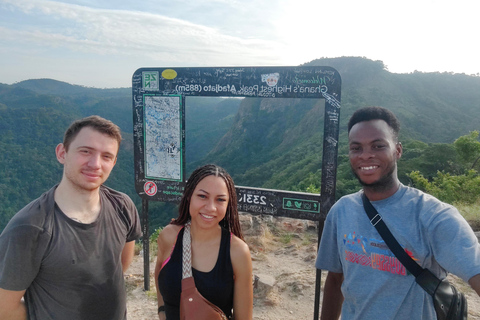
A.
pixel 432 107
pixel 33 117
pixel 277 143
pixel 272 143
pixel 35 113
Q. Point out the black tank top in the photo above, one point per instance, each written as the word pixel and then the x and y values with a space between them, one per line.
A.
pixel 216 286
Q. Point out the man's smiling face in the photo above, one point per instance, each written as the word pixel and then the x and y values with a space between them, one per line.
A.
pixel 373 153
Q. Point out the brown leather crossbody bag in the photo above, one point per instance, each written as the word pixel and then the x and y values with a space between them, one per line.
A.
pixel 193 306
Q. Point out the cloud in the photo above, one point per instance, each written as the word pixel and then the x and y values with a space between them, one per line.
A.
pixel 60 39
pixel 135 33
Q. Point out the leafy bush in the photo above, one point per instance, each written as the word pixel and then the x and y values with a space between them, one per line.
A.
pixel 468 148
pixel 449 188
pixel 154 235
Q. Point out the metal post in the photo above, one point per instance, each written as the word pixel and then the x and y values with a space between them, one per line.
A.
pixel 318 288
pixel 318 279
pixel 329 176
pixel 146 246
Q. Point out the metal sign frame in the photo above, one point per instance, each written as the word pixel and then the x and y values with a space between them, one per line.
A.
pixel 159 128
pixel 159 98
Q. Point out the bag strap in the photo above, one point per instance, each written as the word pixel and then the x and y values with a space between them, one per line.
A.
pixel 424 277
pixel 187 252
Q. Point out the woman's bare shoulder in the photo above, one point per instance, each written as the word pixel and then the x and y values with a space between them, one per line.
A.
pixel 238 248
pixel 168 235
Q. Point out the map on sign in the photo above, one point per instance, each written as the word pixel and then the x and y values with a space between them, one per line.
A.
pixel 163 137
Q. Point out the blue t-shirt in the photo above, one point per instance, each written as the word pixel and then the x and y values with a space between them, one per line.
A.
pixel 376 285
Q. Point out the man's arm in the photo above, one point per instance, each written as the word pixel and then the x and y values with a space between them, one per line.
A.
pixel 127 255
pixel 474 282
pixel 11 305
pixel 332 296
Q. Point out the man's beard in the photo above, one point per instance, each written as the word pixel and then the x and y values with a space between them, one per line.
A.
pixel 385 182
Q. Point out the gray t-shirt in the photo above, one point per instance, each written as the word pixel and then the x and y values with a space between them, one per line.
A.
pixel 376 285
pixel 70 270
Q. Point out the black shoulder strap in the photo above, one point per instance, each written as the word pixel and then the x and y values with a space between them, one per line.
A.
pixel 426 279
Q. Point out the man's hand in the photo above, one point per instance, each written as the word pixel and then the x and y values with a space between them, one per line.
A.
pixel 474 282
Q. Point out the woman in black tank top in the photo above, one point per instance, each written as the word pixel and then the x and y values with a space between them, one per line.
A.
pixel 221 261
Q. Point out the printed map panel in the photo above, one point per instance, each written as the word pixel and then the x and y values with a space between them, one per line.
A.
pixel 163 138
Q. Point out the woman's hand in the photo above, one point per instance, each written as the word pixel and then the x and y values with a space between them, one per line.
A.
pixel 162 316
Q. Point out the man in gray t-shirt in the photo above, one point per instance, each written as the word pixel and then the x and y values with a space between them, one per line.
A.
pixel 365 279
pixel 65 252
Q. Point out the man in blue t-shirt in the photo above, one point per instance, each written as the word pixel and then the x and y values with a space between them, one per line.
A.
pixel 65 252
pixel 365 280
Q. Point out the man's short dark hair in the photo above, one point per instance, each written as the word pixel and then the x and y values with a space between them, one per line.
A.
pixel 375 113
pixel 96 123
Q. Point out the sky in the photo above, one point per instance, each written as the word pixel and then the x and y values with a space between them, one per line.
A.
pixel 100 43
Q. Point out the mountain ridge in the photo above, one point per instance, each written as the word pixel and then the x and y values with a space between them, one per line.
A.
pixel 271 143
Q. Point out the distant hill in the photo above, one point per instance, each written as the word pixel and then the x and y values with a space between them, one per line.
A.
pixel 54 87
pixel 434 107
pixel 35 113
pixel 272 143
pixel 277 144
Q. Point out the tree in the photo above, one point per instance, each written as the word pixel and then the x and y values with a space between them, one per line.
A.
pixel 449 188
pixel 468 148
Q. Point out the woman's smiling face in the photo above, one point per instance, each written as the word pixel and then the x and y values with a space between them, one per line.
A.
pixel 209 201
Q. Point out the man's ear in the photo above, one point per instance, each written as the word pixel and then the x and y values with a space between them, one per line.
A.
pixel 60 152
pixel 399 150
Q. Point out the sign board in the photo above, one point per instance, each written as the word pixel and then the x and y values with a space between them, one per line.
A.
pixel 159 96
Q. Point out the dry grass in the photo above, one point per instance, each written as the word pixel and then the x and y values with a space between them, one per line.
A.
pixel 471 213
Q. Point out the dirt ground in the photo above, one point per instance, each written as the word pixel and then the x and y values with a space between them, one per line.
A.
pixel 283 254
